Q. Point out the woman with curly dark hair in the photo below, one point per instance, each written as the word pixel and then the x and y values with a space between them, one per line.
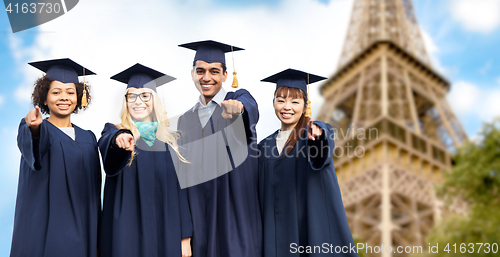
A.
pixel 58 198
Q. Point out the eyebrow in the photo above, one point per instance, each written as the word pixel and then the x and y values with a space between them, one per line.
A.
pixel 288 97
pixel 141 92
pixel 58 88
pixel 213 68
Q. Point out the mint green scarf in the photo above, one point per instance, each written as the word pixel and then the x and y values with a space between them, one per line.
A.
pixel 147 131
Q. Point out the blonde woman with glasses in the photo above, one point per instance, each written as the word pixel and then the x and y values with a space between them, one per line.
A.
pixel 145 212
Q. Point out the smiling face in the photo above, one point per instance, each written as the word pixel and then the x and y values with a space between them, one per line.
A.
pixel 208 78
pixel 61 99
pixel 140 110
pixel 288 107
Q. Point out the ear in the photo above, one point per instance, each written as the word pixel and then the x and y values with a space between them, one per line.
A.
pixel 193 76
pixel 224 77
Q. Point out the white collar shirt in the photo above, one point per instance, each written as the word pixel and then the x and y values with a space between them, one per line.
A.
pixel 206 111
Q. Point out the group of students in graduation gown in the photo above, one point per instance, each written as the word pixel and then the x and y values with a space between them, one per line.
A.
pixel 249 201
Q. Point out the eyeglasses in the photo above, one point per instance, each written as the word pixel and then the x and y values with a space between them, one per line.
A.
pixel 145 97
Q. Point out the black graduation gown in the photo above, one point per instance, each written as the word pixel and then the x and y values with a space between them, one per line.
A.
pixel 225 210
pixel 145 213
pixel 59 193
pixel 300 198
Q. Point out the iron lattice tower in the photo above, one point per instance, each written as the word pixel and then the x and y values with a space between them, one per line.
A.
pixel 388 105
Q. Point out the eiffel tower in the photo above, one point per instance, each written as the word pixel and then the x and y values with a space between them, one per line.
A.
pixel 395 129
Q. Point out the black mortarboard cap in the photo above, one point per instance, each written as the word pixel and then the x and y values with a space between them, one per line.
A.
pixel 293 78
pixel 210 51
pixel 140 76
pixel 63 70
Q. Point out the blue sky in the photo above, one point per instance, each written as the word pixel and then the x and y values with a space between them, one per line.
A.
pixel 461 36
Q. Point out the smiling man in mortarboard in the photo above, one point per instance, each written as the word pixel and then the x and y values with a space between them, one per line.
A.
pixel 217 135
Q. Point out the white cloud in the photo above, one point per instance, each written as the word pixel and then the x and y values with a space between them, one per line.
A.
pixel 10 167
pixel 8 180
pixel 430 46
pixel 2 100
pixel 477 15
pixel 306 35
pixel 471 101
pixel 10 142
pixel 433 50
pixel 23 55
pixel 464 97
pixel 23 93
pixel 491 105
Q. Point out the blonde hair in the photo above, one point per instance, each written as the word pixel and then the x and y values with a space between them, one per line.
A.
pixel 163 134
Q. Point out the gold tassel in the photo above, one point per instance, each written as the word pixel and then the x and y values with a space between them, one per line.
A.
pixel 84 97
pixel 235 80
pixel 308 109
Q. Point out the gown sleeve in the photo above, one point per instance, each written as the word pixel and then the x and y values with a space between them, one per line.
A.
pixel 33 148
pixel 250 112
pixel 321 151
pixel 186 221
pixel 184 211
pixel 261 178
pixel 114 158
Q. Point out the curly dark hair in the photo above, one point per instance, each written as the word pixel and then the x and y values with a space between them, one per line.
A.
pixel 42 86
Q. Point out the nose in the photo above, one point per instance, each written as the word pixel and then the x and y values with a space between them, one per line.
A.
pixel 206 76
pixel 63 97
pixel 287 105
